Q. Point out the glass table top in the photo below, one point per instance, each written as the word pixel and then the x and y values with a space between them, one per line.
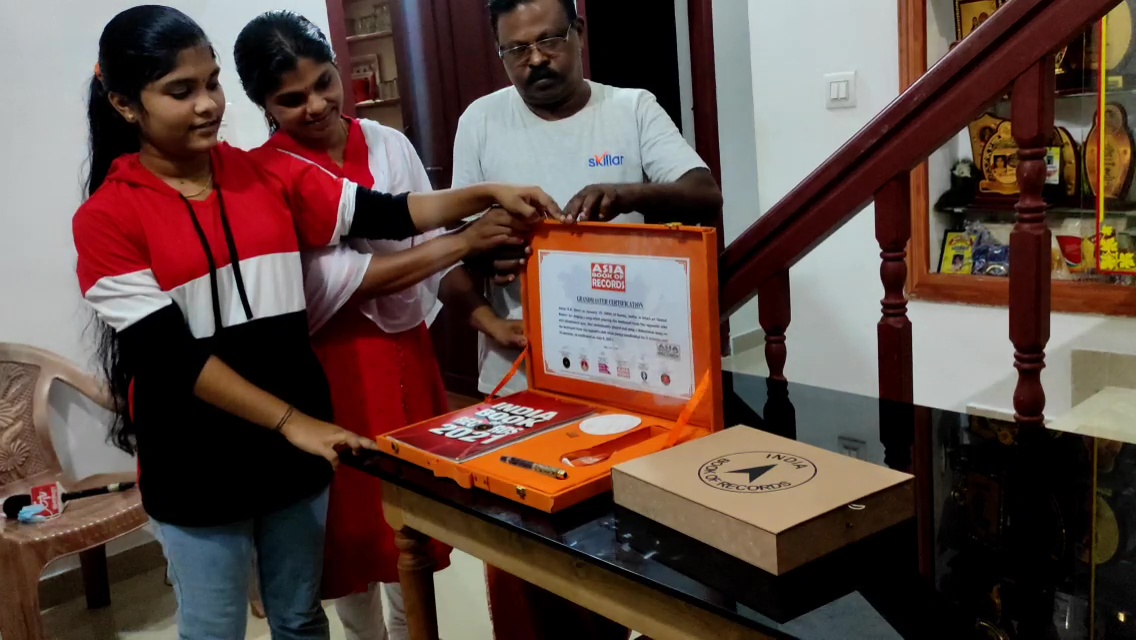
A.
pixel 1016 535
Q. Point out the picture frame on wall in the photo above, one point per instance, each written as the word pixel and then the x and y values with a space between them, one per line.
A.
pixel 971 14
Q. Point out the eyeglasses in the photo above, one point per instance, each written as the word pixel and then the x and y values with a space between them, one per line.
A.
pixel 549 47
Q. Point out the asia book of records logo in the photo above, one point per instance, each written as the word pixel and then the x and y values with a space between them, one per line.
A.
pixel 609 277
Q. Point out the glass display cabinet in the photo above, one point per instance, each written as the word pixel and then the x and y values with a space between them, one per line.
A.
pixel 967 191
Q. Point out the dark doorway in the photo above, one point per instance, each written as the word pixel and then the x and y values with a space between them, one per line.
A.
pixel 634 44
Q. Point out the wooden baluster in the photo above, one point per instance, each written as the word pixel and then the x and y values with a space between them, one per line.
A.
pixel 893 332
pixel 1032 106
pixel 774 310
pixel 898 430
pixel 893 232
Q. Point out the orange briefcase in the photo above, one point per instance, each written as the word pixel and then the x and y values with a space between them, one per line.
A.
pixel 624 360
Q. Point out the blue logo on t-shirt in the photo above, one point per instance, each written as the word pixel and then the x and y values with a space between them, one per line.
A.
pixel 606 160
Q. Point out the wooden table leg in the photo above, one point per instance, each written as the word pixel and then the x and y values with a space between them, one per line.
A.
pixel 623 600
pixel 96 578
pixel 416 575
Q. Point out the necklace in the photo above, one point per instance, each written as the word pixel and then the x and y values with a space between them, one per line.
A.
pixel 206 187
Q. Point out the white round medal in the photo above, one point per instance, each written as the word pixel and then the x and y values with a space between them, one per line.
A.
pixel 609 425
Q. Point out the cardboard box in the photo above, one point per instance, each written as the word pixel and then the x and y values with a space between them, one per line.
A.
pixel 625 324
pixel 772 502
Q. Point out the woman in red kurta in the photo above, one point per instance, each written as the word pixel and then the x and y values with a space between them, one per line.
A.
pixel 376 350
pixel 380 363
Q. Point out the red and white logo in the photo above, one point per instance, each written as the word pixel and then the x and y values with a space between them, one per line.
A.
pixel 50 497
pixel 609 277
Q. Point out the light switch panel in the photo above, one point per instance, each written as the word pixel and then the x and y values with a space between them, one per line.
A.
pixel 840 90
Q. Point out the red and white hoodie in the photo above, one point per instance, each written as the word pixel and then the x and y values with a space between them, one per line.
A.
pixel 183 280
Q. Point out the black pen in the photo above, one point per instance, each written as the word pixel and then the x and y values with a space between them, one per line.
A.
pixel 543 469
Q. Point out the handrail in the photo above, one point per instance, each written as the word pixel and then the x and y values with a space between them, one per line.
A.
pixel 914 125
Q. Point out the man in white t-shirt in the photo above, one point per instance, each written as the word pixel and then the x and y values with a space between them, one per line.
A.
pixel 603 153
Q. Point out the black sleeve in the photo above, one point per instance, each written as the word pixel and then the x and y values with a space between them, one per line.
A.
pixel 161 349
pixel 381 216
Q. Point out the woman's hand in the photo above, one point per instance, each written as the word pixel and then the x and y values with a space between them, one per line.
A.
pixel 494 229
pixel 528 203
pixel 506 333
pixel 323 439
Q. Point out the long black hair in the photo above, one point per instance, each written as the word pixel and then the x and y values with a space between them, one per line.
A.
pixel 270 46
pixel 137 47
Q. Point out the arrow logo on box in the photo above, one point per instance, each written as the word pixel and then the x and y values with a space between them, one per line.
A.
pixel 755 472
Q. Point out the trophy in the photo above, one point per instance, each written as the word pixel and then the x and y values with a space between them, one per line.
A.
pixel 1069 173
pixel 1117 156
pixel 999 162
pixel 996 154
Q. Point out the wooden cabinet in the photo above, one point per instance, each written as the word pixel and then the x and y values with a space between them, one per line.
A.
pixel 438 53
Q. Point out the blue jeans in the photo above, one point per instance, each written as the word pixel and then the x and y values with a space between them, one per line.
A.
pixel 210 569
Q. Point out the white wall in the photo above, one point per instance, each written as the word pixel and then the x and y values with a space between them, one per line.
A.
pixel 737 144
pixel 737 138
pixel 835 289
pixel 52 47
pixel 959 351
pixel 685 83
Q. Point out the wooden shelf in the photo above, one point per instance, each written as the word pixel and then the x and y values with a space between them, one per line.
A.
pixel 1057 211
pixel 369 36
pixel 1069 296
pixel 389 102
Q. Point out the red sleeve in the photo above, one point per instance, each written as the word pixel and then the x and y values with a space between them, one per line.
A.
pixel 154 342
pixel 323 206
pixel 114 268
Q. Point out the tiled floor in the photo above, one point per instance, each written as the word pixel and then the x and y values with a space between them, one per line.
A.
pixel 750 361
pixel 143 609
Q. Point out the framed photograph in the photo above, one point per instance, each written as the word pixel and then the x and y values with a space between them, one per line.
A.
pixel 970 14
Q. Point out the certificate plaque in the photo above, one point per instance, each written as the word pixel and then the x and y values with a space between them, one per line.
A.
pixel 621 320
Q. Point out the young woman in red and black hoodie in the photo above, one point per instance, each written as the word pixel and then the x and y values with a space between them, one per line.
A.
pixel 188 251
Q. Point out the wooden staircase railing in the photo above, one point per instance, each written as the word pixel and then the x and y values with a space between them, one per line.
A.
pixel 1013 50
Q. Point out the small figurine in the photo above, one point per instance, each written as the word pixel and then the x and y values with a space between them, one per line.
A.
pixel 964 186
